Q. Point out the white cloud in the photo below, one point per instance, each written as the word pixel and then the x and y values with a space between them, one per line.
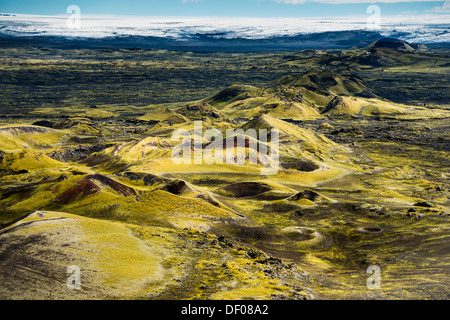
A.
pixel 347 1
pixel 444 8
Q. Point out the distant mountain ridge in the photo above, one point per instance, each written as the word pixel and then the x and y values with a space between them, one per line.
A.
pixel 208 42
pixel 215 33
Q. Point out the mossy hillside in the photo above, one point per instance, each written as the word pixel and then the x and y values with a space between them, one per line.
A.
pixel 372 59
pixel 323 82
pixel 97 112
pixel 37 190
pixel 275 107
pixel 114 263
pixel 231 94
pixel 308 139
pixel 94 198
pixel 154 155
pixel 164 114
pixel 154 150
pixel 196 111
pixel 151 147
pixel 295 97
pixel 18 137
pixel 148 208
pixel 311 196
pixel 293 111
pixel 384 69
pixel 123 155
pixel 28 160
pixel 407 176
pixel 399 263
pixel 142 182
pixel 264 188
pixel 338 240
pixel 157 265
pixel 166 130
pixel 342 105
pixel 82 125
pixel 239 273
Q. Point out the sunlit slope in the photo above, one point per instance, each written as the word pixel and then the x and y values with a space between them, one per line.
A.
pixel 314 95
pixel 347 106
pixel 114 262
pixel 17 137
pixel 157 201
pixel 22 148
pixel 297 146
pixel 289 132
pixel 124 261
pixel 387 53
pixel 164 114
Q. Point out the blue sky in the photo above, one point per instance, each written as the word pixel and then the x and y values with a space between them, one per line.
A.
pixel 243 8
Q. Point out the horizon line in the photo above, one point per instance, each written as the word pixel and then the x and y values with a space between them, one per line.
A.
pixel 342 17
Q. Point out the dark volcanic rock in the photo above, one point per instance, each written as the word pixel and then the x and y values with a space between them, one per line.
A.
pixel 200 111
pixel 169 185
pixel 175 187
pixel 91 184
pixel 77 153
pixel 352 130
pixel 244 189
pixel 148 178
pixel 423 204
pixel 307 194
pixel 392 43
pixel 300 165
pixel 43 123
